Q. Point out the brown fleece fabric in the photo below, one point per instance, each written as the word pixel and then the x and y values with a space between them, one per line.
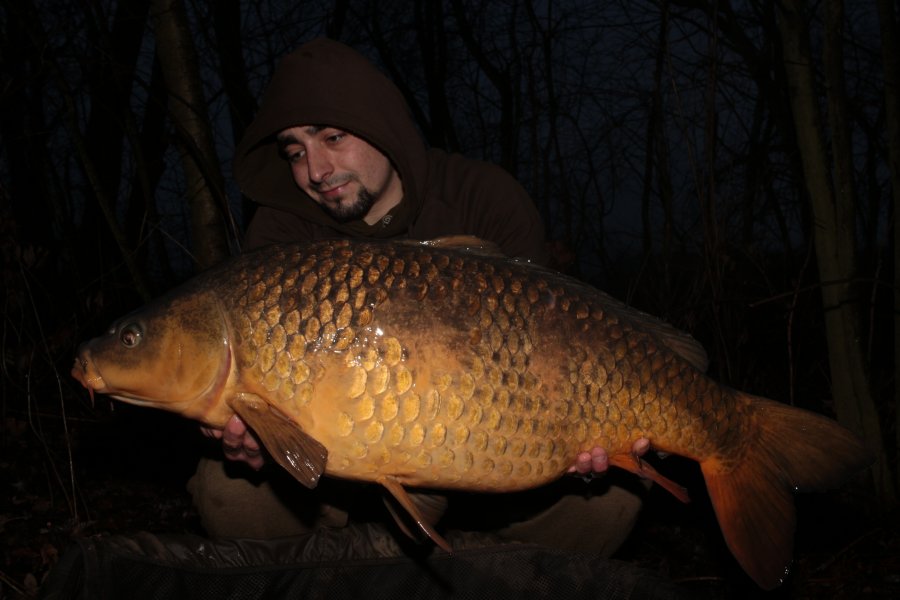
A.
pixel 327 83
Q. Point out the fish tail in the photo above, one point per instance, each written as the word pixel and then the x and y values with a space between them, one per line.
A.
pixel 788 450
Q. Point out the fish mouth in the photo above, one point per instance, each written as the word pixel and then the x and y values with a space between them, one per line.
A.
pixel 85 371
pixel 87 374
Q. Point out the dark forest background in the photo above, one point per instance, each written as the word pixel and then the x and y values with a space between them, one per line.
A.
pixel 729 166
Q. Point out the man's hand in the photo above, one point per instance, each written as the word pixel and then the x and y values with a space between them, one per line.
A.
pixel 238 443
pixel 597 461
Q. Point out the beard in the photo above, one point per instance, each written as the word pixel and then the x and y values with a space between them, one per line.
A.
pixel 352 210
pixel 349 208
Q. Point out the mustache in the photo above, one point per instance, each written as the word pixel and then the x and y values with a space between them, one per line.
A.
pixel 331 182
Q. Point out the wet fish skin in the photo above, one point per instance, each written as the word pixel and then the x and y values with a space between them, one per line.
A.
pixel 429 367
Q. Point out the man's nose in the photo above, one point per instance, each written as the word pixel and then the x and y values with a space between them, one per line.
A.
pixel 319 165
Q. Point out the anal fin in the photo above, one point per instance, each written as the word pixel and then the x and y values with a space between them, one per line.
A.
pixel 416 506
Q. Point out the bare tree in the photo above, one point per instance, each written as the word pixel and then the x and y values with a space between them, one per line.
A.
pixel 835 213
pixel 205 186
pixel 890 52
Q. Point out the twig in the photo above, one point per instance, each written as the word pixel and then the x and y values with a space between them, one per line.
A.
pixel 70 498
pixel 15 586
pixel 844 550
pixel 820 284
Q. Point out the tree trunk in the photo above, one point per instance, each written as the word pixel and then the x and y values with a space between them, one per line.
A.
pixel 205 186
pixel 501 77
pixel 834 238
pixel 889 51
pixel 241 103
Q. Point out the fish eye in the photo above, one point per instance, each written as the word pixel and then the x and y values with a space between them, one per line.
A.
pixel 131 335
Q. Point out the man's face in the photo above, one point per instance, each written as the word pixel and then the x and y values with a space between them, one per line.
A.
pixel 342 173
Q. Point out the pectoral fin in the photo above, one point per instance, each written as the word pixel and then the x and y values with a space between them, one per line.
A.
pixel 291 447
pixel 424 509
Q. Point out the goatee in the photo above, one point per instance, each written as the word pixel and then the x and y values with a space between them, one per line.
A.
pixel 353 211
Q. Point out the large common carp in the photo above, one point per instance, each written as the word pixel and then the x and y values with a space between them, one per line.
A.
pixel 420 365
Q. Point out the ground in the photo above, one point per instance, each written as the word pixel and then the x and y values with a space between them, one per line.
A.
pixel 130 466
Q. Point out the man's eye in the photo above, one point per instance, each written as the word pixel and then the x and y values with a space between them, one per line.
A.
pixel 296 156
pixel 335 137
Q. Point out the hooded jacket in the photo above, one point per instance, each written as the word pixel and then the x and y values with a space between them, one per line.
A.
pixel 327 83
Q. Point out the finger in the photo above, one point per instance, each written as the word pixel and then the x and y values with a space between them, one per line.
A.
pixel 233 451
pixel 251 444
pixel 249 439
pixel 256 461
pixel 233 434
pixel 235 426
pixel 641 446
pixel 599 460
pixel 582 464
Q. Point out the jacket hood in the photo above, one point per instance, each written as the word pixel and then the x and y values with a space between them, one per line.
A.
pixel 325 82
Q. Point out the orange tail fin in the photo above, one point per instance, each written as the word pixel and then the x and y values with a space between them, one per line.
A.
pixel 791 450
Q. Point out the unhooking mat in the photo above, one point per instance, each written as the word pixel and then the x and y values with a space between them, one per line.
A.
pixel 350 563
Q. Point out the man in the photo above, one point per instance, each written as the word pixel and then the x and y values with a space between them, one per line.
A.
pixel 334 152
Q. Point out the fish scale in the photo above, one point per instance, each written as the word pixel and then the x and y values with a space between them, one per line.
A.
pixel 444 366
pixel 536 441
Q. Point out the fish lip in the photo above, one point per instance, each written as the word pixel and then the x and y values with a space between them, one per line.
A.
pixel 87 374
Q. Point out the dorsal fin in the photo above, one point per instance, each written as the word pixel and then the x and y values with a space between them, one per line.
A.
pixel 679 342
pixel 470 243
pixel 674 339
